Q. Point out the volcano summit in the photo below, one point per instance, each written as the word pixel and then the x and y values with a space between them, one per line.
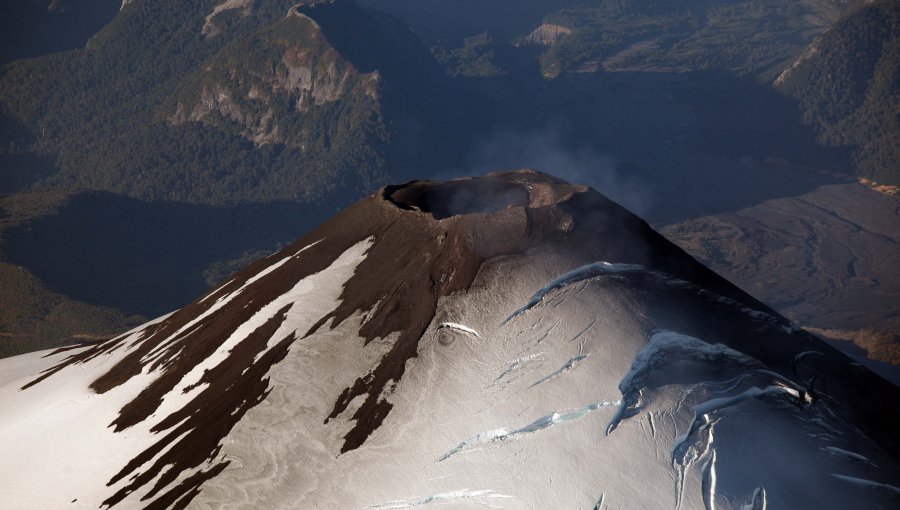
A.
pixel 510 341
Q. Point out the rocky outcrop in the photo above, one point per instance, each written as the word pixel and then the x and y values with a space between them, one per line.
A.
pixel 547 34
pixel 292 69
pixel 210 28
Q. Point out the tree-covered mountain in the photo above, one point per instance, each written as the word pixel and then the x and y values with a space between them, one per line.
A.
pixel 745 36
pixel 755 37
pixel 848 85
pixel 238 101
pixel 838 59
pixel 210 103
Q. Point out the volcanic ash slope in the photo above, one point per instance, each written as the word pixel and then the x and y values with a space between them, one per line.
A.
pixel 510 341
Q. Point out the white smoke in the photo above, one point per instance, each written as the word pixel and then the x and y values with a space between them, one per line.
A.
pixel 545 149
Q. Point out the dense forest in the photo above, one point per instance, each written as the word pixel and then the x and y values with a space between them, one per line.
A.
pixel 107 121
pixel 308 126
pixel 848 86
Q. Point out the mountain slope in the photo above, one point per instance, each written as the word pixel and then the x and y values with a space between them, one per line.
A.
pixel 511 340
pixel 754 37
pixel 848 86
pixel 206 103
pixel 818 258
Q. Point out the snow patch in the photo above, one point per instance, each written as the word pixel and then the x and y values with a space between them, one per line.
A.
pixel 576 275
pixel 757 500
pixel 209 28
pixel 458 327
pixel 440 497
pixel 869 484
pixel 56 440
pixel 708 483
pixel 327 283
pixel 660 350
pixel 544 422
pixel 569 365
pixel 603 268
pixel 840 452
pixel 217 305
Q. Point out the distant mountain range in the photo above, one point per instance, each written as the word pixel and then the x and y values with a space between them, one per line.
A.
pixel 183 140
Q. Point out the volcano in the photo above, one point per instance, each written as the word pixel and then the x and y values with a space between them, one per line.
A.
pixel 506 341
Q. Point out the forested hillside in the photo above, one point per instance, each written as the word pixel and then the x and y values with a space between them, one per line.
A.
pixel 251 103
pixel 848 85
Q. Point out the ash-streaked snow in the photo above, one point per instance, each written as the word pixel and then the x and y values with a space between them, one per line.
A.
pixel 60 430
pixel 614 385
pixel 443 497
pixel 569 365
pixel 482 425
pixel 494 437
pixel 458 327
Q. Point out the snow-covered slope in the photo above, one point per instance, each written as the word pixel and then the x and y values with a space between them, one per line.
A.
pixel 510 341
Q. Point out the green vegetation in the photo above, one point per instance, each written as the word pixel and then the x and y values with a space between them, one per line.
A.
pixel 475 58
pixel 218 272
pixel 104 120
pixel 210 188
pixel 32 317
pixel 450 22
pixel 753 37
pixel 848 86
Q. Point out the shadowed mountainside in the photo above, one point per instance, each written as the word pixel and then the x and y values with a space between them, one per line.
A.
pixel 848 85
